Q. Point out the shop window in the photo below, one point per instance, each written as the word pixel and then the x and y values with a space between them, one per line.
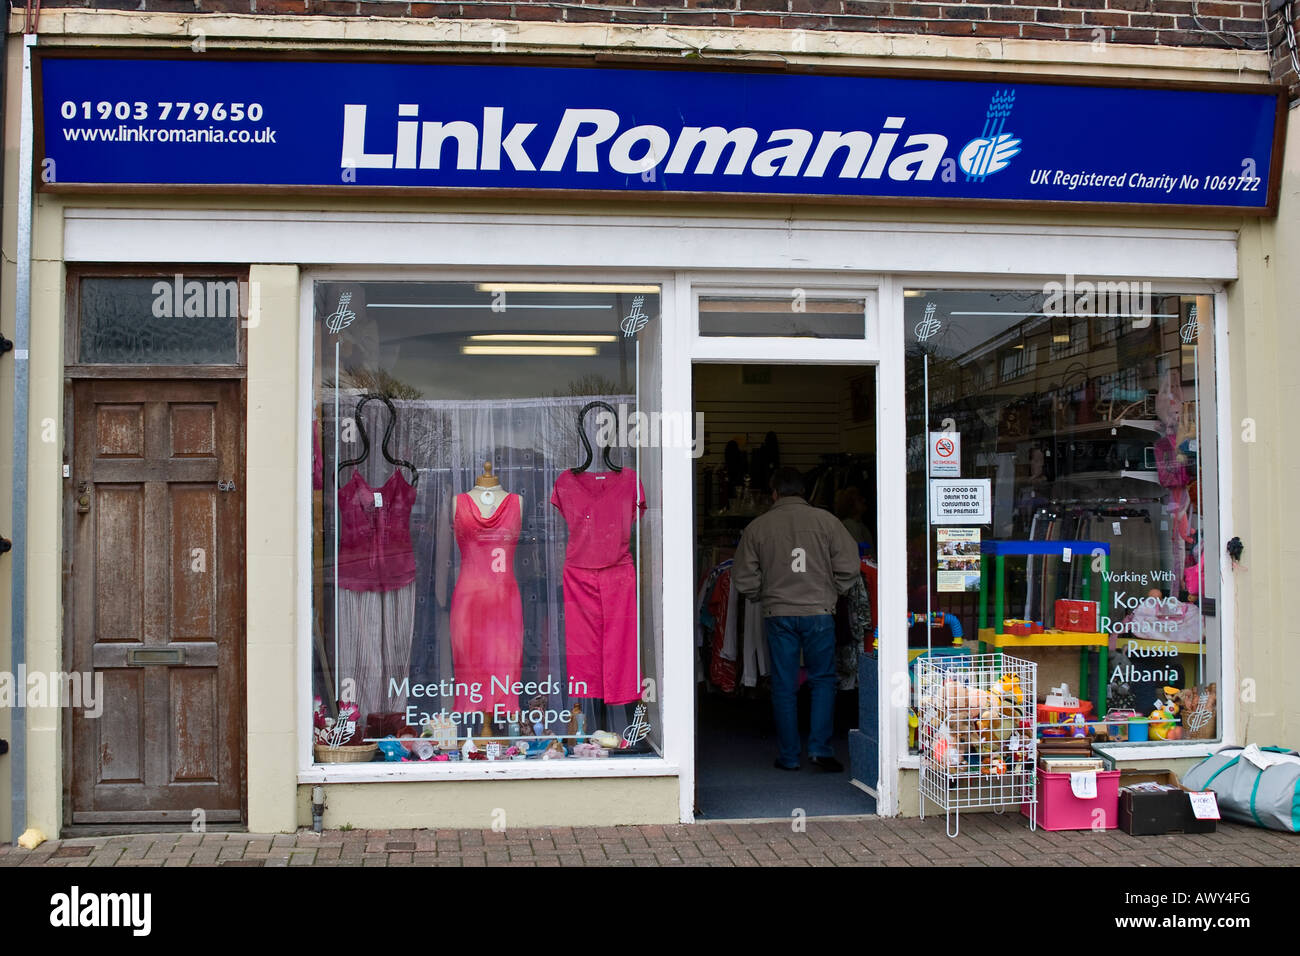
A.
pixel 801 313
pixel 487 521
pixel 178 319
pixel 1089 479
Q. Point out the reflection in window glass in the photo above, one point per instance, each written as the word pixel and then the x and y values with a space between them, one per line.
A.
pixel 1088 410
pixel 485 588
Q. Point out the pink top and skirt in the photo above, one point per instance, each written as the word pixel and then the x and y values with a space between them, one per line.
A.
pixel 600 602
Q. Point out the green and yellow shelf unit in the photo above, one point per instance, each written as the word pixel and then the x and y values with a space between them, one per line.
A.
pixel 1095 581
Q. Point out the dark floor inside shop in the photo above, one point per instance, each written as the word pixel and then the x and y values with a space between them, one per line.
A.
pixel 734 755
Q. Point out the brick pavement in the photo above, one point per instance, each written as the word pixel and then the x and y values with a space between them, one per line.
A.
pixel 985 840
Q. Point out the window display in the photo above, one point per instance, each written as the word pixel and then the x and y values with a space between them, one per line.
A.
pixel 1062 490
pixel 484 583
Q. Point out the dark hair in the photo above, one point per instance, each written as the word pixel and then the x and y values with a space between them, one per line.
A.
pixel 787 481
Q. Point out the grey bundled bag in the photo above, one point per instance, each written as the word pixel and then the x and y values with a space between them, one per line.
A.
pixel 1268 797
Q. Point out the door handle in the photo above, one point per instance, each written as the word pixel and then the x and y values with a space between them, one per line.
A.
pixel 83 497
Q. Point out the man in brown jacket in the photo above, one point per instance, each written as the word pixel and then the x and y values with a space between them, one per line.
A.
pixel 795 560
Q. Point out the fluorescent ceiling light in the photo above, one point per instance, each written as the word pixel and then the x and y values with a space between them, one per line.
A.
pixel 529 350
pixel 562 287
pixel 540 337
pixel 1079 315
pixel 1061 339
pixel 503 307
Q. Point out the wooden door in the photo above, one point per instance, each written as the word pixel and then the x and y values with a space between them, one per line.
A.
pixel 156 587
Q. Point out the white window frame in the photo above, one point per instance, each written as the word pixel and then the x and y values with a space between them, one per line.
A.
pixel 1225 608
pixel 310 772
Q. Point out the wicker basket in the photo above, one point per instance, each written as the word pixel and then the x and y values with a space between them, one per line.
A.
pixel 359 754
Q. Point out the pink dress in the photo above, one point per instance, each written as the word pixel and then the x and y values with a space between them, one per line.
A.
pixel 487 616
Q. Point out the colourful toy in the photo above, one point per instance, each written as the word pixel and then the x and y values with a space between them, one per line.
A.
pixel 1165 716
pixel 392 749
pixel 995 767
pixel 1008 686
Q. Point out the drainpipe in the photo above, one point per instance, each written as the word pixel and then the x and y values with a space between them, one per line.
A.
pixel 5 345
pixel 22 326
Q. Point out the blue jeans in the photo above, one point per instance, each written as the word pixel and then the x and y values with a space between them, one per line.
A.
pixel 814 634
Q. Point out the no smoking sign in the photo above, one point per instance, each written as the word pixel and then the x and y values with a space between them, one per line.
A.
pixel 945 455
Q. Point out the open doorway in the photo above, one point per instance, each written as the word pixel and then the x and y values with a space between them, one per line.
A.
pixel 821 421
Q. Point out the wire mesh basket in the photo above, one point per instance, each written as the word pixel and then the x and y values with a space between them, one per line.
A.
pixel 976 728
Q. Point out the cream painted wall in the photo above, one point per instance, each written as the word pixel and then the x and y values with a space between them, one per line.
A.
pixel 271 480
pixel 44 513
pixel 1266 388
pixel 478 805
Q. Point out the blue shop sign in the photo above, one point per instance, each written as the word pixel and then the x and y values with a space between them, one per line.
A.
pixel 205 122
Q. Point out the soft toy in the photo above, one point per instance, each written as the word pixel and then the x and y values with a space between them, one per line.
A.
pixel 1161 716
pixel 955 697
pixel 1008 687
pixel 946 751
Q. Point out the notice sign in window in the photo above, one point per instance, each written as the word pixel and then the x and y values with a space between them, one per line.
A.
pixel 945 455
pixel 960 501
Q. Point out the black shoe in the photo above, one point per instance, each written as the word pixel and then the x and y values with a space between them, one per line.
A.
pixel 827 764
pixel 780 766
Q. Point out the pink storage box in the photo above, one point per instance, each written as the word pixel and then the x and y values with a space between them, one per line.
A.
pixel 1059 809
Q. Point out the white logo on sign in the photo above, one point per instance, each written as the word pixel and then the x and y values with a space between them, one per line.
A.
pixel 1191 329
pixel 341 317
pixel 636 731
pixel 929 325
pixel 636 319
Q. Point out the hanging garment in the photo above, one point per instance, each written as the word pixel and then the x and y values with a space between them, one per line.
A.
pixel 703 622
pixel 600 605
pixel 376 574
pixel 722 607
pixel 870 576
pixel 431 660
pixel 755 661
pixel 859 608
pixel 374 634
pixel 487 628
pixel 375 552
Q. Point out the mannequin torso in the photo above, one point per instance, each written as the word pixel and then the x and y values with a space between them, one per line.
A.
pixel 488 500
pixel 487 493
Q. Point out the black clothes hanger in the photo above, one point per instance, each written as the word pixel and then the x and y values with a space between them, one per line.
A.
pixel 388 433
pixel 582 434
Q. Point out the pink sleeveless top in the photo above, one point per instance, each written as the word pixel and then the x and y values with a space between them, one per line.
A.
pixel 375 552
